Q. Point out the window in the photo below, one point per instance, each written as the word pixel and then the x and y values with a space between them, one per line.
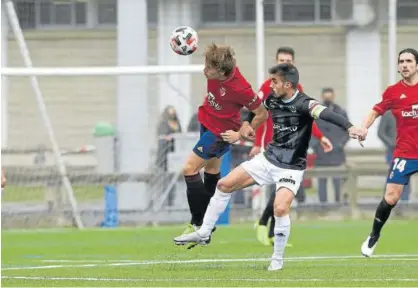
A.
pixel 25 10
pixel 80 13
pixel 65 12
pixel 248 10
pixel 62 12
pixel 325 10
pixel 152 6
pixel 298 10
pixel 218 10
pixel 107 11
pixel 407 10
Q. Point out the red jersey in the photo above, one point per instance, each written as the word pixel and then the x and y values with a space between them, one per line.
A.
pixel 403 101
pixel 221 110
pixel 264 133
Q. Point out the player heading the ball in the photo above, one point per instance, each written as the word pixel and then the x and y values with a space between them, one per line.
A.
pixel 227 92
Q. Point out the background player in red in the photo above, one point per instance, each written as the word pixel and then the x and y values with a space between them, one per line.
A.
pixel 264 135
pixel 402 99
pixel 227 92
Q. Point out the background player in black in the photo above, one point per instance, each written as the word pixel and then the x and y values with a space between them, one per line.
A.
pixel 284 161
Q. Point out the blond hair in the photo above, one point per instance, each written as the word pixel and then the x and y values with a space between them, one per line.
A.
pixel 220 57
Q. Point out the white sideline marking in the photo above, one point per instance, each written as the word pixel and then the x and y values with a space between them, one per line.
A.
pixel 210 279
pixel 410 257
pixel 199 261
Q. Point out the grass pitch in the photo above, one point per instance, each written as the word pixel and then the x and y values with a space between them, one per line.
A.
pixel 323 254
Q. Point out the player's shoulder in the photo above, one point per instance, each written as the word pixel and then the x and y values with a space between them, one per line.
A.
pixel 303 97
pixel 237 82
pixel 304 100
pixel 394 89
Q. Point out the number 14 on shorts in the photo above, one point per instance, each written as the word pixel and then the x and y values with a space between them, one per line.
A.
pixel 399 164
pixel 402 170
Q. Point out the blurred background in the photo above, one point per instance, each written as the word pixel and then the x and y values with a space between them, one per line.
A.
pixel 123 138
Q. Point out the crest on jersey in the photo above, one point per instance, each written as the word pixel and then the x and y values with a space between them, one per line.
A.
pixel 222 91
pixel 403 96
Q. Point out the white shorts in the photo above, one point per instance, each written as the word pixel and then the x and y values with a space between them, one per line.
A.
pixel 265 173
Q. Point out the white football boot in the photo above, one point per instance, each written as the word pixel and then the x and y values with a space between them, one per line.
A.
pixel 275 264
pixel 191 238
pixel 368 246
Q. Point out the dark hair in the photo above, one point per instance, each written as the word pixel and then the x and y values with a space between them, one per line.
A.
pixel 409 50
pixel 286 50
pixel 288 71
pixel 327 90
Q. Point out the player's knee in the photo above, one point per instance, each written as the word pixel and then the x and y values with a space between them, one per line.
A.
pixel 393 193
pixel 281 209
pixel 225 186
pixel 189 169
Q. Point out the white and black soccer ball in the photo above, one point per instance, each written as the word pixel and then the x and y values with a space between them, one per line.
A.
pixel 184 40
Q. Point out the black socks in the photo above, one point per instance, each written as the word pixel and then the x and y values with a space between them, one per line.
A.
pixel 382 215
pixel 199 194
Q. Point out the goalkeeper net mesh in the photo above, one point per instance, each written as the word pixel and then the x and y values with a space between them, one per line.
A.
pixel 35 195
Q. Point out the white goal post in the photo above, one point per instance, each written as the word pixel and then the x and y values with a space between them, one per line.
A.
pixel 34 72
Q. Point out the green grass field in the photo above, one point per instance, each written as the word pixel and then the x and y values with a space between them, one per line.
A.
pixel 323 254
pixel 85 193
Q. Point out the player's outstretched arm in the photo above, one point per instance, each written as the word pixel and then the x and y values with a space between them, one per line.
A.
pixel 370 118
pixel 318 111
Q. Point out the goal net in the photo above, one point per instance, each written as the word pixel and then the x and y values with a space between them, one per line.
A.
pixel 66 140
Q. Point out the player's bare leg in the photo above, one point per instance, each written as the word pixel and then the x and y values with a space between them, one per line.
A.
pixel 282 203
pixel 392 196
pixel 237 179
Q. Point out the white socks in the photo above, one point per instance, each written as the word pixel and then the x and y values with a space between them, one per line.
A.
pixel 281 235
pixel 216 206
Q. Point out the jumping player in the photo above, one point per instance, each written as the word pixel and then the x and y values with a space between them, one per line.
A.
pixel 227 92
pixel 402 99
pixel 283 163
pixel 264 135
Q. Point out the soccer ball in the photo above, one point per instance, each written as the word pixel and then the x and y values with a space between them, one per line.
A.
pixel 184 40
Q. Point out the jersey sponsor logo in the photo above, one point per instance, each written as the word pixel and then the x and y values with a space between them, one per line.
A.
pixel 200 149
pixel 287 180
pixel 282 128
pixel 413 113
pixel 212 101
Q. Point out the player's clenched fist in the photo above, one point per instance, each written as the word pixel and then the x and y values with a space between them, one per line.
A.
pixel 247 132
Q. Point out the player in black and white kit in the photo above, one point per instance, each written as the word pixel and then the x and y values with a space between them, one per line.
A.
pixel 284 161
